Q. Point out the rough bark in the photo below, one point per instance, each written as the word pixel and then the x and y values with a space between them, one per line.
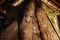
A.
pixel 33 27
pixel 53 17
pixel 36 31
pixel 29 25
pixel 27 22
pixel 46 28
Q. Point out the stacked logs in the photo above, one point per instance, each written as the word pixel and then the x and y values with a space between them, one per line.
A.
pixel 35 24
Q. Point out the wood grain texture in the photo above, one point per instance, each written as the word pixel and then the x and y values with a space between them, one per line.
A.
pixel 36 31
pixel 46 28
pixel 27 22
pixel 29 26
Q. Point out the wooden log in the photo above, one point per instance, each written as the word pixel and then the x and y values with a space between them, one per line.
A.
pixel 46 28
pixel 53 17
pixel 27 22
pixel 29 25
pixel 36 31
pixel 10 33
pixel 55 22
